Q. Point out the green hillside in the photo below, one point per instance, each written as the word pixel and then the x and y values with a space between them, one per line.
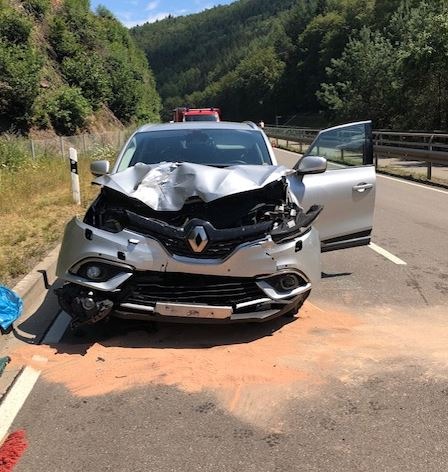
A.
pixel 65 68
pixel 193 56
pixel 346 59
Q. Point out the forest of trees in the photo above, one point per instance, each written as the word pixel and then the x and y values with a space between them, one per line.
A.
pixel 349 59
pixel 60 64
pixel 337 60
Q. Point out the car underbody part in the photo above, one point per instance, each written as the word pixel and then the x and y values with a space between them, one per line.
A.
pixel 83 305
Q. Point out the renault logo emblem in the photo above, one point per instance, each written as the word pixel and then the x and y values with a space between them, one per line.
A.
pixel 197 238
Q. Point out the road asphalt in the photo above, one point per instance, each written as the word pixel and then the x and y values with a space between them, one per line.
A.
pixel 357 382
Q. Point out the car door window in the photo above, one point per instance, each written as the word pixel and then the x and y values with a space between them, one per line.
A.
pixel 128 154
pixel 349 144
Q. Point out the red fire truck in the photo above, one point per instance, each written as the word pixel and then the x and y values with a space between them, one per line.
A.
pixel 196 114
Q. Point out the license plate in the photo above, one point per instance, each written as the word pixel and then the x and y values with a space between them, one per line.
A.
pixel 193 311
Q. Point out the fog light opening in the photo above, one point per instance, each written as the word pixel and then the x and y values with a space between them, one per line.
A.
pixel 94 272
pixel 289 282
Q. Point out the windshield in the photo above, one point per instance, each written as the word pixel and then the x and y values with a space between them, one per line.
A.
pixel 218 147
pixel 213 117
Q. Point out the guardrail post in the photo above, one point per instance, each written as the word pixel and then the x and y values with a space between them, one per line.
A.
pixel 84 144
pixel 429 164
pixel 76 191
pixel 33 151
pixel 342 155
pixel 61 143
pixel 375 154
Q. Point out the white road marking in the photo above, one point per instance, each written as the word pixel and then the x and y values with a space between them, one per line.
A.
pixel 57 329
pixel 402 181
pixel 396 179
pixel 386 254
pixel 16 397
pixel 23 385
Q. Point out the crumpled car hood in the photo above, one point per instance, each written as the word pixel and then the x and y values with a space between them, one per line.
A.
pixel 167 186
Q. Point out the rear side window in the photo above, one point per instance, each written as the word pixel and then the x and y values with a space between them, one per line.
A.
pixel 218 147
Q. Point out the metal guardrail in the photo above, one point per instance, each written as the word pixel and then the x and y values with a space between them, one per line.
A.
pixel 431 148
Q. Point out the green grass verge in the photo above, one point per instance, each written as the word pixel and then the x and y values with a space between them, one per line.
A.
pixel 35 205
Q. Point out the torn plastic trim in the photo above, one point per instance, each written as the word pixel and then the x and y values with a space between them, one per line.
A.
pixel 83 305
pixel 293 229
pixel 111 285
pixel 153 227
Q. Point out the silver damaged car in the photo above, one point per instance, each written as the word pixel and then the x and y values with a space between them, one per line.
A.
pixel 198 222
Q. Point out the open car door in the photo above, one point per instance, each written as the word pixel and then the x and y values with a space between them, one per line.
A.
pixel 346 189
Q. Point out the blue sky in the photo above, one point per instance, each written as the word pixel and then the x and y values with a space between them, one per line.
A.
pixel 133 12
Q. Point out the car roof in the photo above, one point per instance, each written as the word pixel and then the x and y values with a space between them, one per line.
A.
pixel 198 125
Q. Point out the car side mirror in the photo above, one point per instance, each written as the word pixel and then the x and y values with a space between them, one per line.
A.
pixel 311 165
pixel 99 168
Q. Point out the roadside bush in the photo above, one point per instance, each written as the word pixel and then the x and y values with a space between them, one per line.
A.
pixel 63 41
pixel 37 8
pixel 14 29
pixel 40 117
pixel 87 72
pixel 68 110
pixel 19 82
pixel 13 152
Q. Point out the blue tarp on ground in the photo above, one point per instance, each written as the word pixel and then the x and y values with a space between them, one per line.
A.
pixel 11 306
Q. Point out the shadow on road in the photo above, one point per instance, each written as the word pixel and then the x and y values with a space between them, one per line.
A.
pixel 137 334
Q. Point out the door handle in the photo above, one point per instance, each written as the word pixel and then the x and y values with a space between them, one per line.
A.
pixel 362 187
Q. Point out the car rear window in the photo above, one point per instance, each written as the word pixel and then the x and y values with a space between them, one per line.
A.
pixel 218 147
pixel 202 117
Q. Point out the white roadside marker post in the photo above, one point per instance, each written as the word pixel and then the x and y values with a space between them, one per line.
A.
pixel 76 191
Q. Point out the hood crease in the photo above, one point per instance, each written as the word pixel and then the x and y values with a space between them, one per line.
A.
pixel 167 186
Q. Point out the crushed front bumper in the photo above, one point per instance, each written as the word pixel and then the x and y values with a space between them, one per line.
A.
pixel 143 281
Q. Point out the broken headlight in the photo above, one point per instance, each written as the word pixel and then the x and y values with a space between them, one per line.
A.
pixel 295 226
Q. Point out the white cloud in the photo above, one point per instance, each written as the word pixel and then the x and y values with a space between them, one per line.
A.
pixel 150 19
pixel 152 5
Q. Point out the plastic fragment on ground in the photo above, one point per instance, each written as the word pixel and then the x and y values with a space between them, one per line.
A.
pixel 12 450
pixel 4 361
pixel 11 306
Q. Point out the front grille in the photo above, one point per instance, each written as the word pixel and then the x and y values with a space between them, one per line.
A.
pixel 221 243
pixel 214 250
pixel 150 287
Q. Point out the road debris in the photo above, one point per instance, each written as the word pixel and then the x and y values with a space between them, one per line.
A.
pixel 11 306
pixel 12 450
pixel 4 361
